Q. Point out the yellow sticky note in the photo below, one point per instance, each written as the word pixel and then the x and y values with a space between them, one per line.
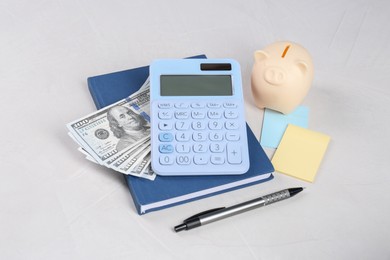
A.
pixel 300 152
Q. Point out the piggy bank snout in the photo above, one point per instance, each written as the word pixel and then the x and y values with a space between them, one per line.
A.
pixel 275 75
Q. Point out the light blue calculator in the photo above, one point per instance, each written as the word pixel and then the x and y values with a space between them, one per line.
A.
pixel 197 117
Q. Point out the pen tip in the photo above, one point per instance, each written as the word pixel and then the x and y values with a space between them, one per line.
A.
pixel 180 227
pixel 294 191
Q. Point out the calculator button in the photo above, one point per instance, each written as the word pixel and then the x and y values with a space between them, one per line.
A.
pixel 165 105
pixel 215 125
pixel 230 113
pixel 200 159
pixel 200 148
pixel 216 136
pixel 182 137
pixel 217 159
pixel 213 105
pixel 198 105
pixel 165 114
pixel 214 113
pixel 183 148
pixel 217 148
pixel 199 136
pixel 198 125
pixel 232 136
pixel 229 105
pixel 165 137
pixel 231 125
pixel 165 148
pixel 183 159
pixel 181 105
pixel 182 125
pixel 167 159
pixel 198 114
pixel 182 114
pixel 165 125
pixel 234 153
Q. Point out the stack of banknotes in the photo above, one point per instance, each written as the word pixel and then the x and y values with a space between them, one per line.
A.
pixel 118 136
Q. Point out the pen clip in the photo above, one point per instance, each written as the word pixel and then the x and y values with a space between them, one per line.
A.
pixel 201 214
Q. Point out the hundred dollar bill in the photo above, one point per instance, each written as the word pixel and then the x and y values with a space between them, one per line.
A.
pixel 127 167
pixel 149 170
pixel 131 153
pixel 80 149
pixel 113 130
pixel 136 161
pixel 87 156
pixel 142 167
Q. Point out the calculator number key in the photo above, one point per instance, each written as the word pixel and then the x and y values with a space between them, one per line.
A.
pixel 200 148
pixel 198 125
pixel 167 159
pixel 183 148
pixel 182 125
pixel 182 136
pixel 215 125
pixel 199 136
pixel 183 159
pixel 217 148
pixel 216 136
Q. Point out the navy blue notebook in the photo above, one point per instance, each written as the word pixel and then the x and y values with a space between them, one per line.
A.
pixel 169 191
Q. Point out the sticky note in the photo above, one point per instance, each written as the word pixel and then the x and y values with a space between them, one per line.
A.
pixel 300 152
pixel 275 123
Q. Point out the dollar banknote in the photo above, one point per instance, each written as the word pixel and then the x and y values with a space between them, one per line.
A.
pixel 128 166
pixel 118 136
pixel 143 165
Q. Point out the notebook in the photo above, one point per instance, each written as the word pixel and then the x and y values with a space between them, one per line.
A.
pixel 168 191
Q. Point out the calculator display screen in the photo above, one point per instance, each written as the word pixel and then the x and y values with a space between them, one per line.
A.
pixel 196 85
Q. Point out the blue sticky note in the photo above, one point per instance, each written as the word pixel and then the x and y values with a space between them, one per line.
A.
pixel 275 123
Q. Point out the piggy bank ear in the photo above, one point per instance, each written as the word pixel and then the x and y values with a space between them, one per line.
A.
pixel 303 66
pixel 261 55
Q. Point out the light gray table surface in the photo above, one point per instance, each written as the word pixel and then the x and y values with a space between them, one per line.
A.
pixel 56 205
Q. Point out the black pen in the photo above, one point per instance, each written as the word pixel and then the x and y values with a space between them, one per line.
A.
pixel 213 215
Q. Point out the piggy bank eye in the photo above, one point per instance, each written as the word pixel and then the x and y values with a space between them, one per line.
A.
pixel 261 55
pixel 302 66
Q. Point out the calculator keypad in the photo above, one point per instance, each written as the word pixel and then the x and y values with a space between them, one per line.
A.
pixel 200 134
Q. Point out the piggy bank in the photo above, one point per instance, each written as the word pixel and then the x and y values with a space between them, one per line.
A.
pixel 281 77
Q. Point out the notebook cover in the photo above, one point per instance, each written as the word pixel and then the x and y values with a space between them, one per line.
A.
pixel 109 88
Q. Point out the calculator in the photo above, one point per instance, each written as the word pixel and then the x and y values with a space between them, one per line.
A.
pixel 198 122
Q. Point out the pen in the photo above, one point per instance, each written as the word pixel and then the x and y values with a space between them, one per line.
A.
pixel 213 215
